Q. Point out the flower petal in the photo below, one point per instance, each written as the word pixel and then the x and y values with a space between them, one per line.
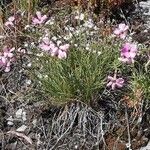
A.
pixel 62 54
pixel 64 47
pixel 110 78
pixel 113 86
pixel 11 19
pixel 38 14
pixel 117 31
pixel 109 84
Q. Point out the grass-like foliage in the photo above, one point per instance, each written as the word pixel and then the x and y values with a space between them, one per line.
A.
pixel 78 77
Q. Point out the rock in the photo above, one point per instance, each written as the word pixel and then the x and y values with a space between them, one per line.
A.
pixel 10 121
pixel 19 113
pixel 22 128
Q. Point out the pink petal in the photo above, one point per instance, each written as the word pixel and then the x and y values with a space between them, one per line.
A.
pixel 131 60
pixel 10 55
pixel 54 51
pixel 7 69
pixel 133 47
pixel 123 35
pixel 132 54
pixel 44 47
pixel 126 28
pixel 126 54
pixel 123 27
pixel 38 13
pixel 11 19
pixel 119 85
pixel 5 49
pixel 124 60
pixel 12 49
pixel 64 47
pixel 1 63
pixel 109 84
pixel 44 18
pixel 4 60
pixel 117 31
pixel 113 86
pixel 46 40
pixel 52 46
pixel 120 80
pixel 35 21
pixel 8 23
pixel 110 78
pixel 62 55
pixel 127 46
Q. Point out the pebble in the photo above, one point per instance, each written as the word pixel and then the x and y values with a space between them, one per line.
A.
pixel 10 121
pixel 28 82
pixel 19 113
pixel 22 128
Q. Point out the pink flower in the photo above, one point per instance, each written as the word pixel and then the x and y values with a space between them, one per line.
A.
pixel 7 52
pixel 57 50
pixel 64 47
pixel 10 22
pixel 62 54
pixel 39 19
pixel 114 82
pixel 54 51
pixel 128 52
pixel 121 31
pixel 4 63
pixel 6 57
pixel 46 44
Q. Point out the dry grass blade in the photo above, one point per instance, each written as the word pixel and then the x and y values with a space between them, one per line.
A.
pixel 21 135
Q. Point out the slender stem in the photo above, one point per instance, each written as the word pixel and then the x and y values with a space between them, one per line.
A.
pixel 128 129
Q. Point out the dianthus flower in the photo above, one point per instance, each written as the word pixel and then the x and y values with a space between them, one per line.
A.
pixel 53 49
pixel 39 19
pixel 128 52
pixel 10 21
pixel 6 57
pixel 46 44
pixel 62 52
pixel 121 31
pixel 114 82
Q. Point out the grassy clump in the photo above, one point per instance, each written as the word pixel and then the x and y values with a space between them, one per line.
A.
pixel 81 76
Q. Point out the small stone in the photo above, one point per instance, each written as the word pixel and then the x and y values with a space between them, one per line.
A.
pixel 28 82
pixel 24 116
pixel 26 27
pixel 10 118
pixel 76 147
pixel 22 128
pixel 54 38
pixel 26 45
pixel 34 122
pixel 29 65
pixel 19 113
pixel 10 123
